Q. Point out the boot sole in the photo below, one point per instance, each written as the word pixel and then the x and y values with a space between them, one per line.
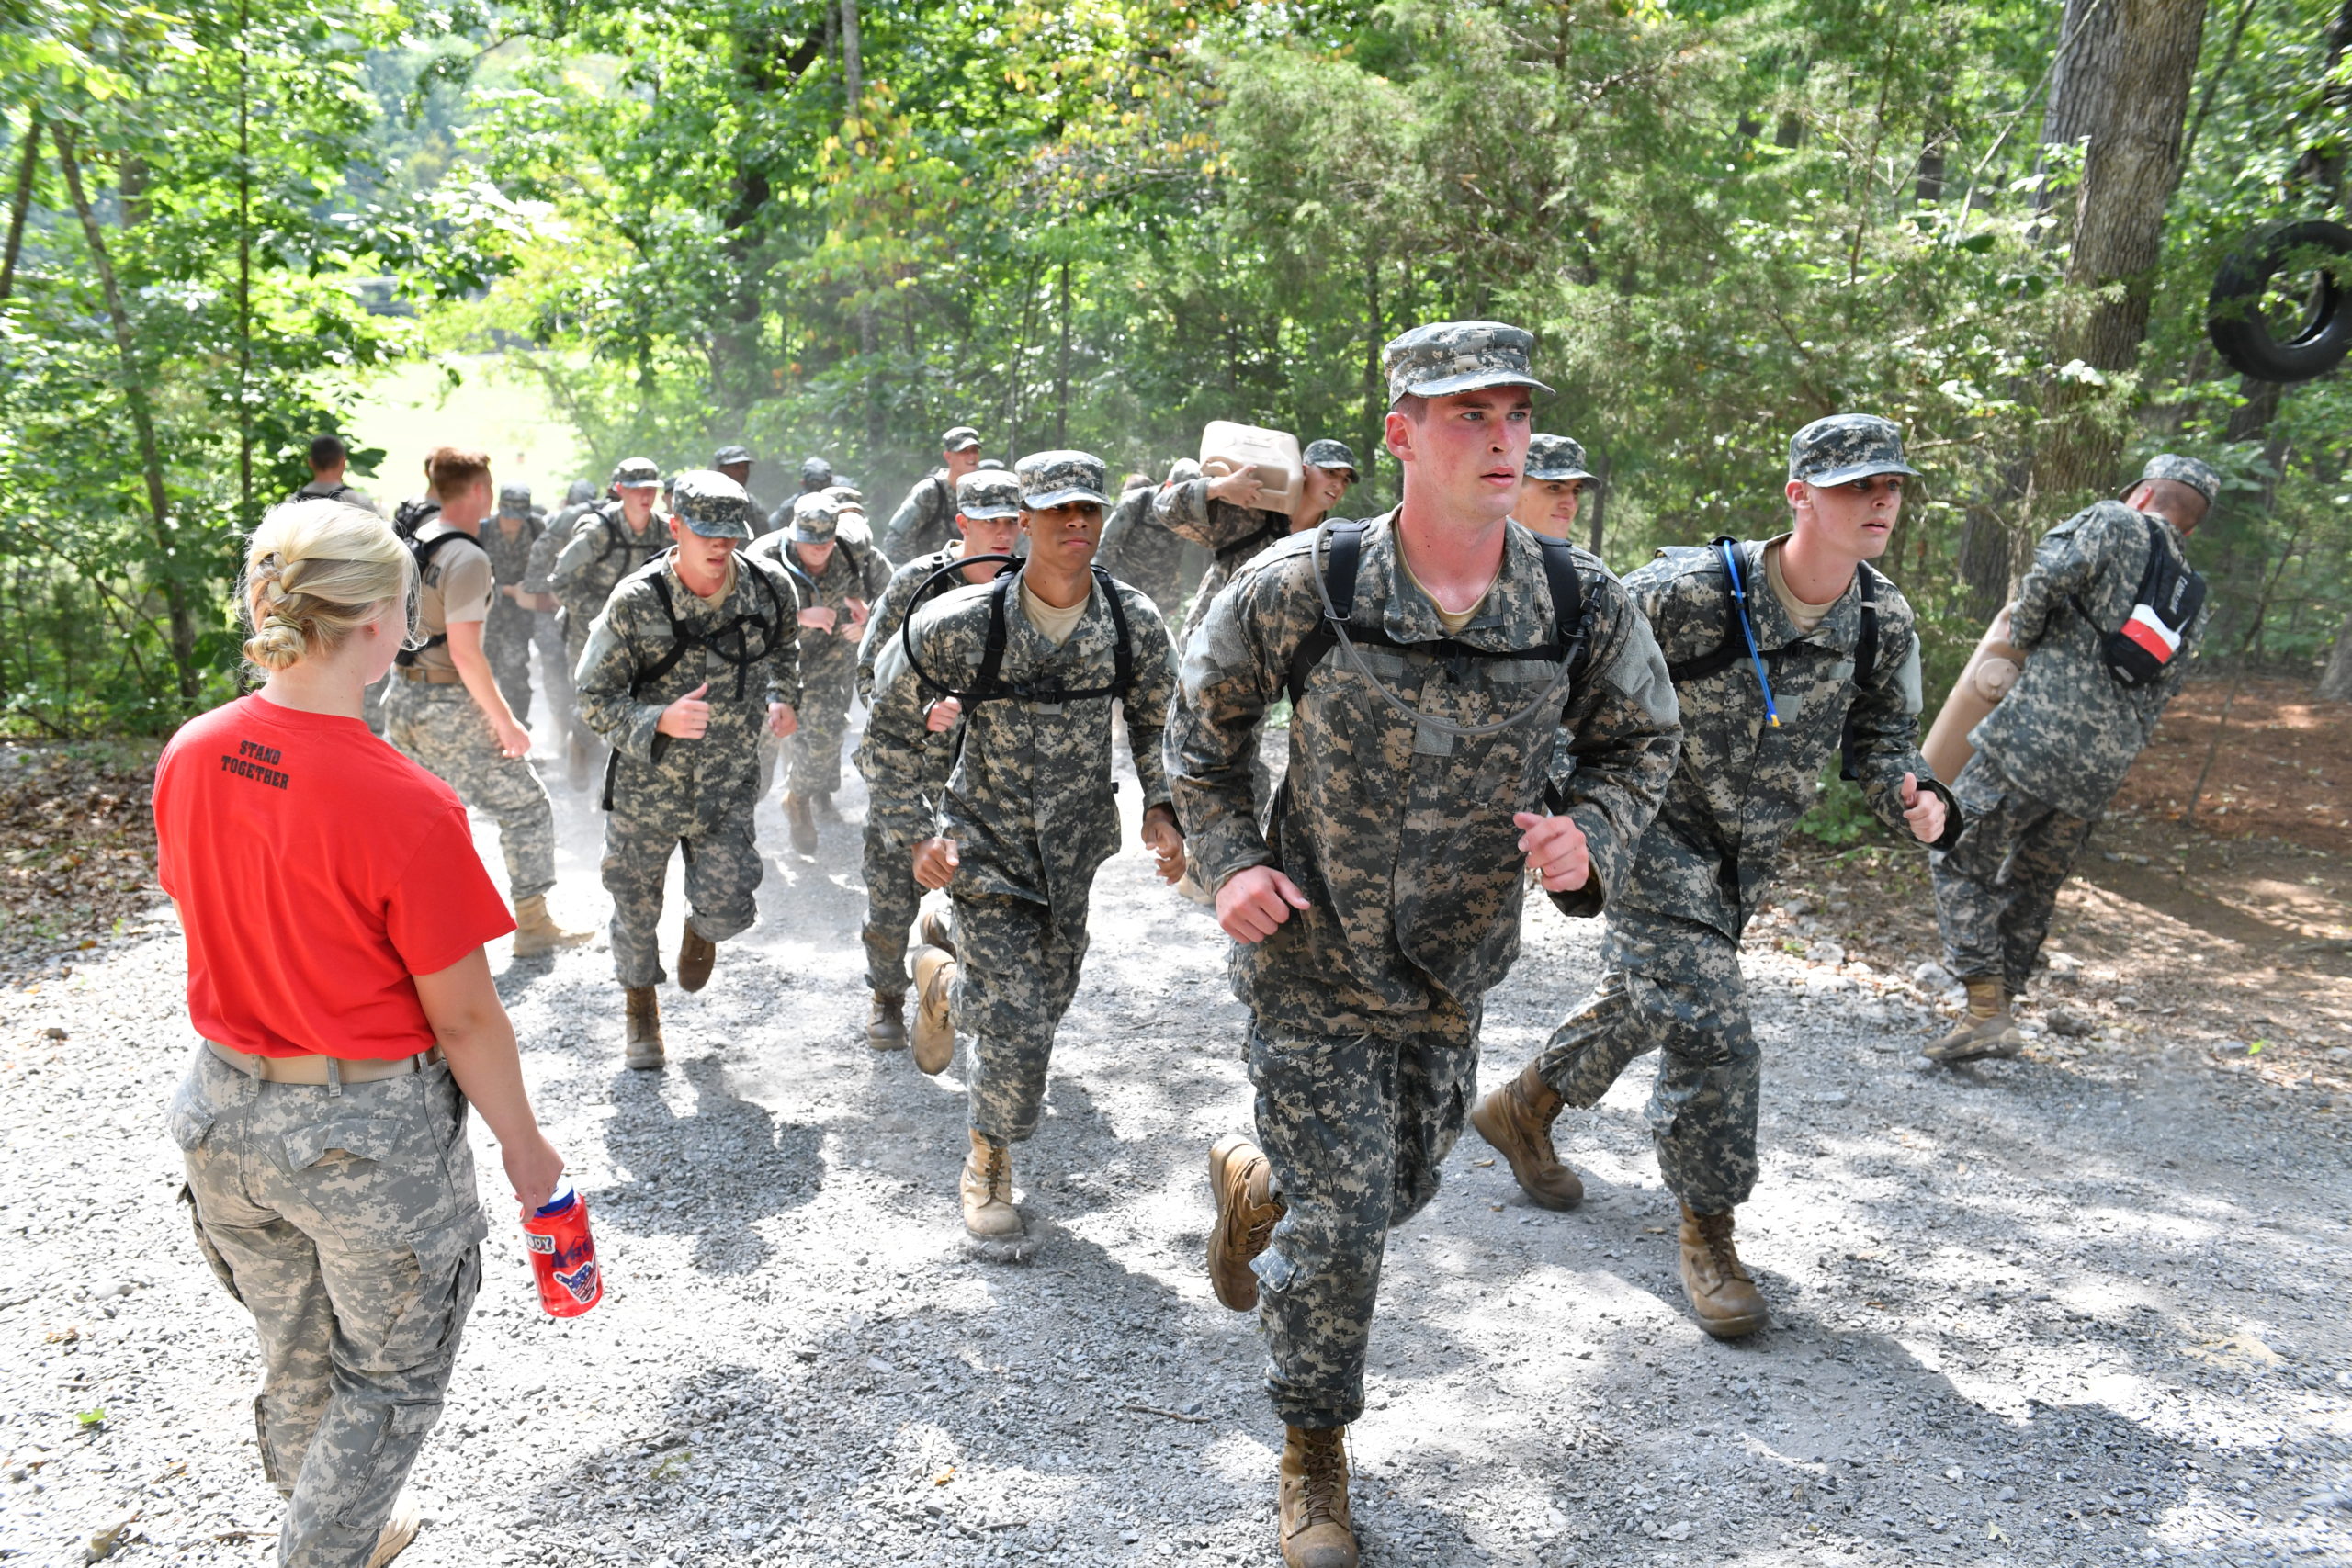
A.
pixel 1480 1119
pixel 934 1032
pixel 1732 1328
pixel 693 978
pixel 1996 1049
pixel 1243 1296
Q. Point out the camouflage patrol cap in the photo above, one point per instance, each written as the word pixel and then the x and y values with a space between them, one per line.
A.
pixel 1330 453
pixel 815 473
pixel 1555 457
pixel 514 501
pixel 1057 479
pixel 1445 358
pixel 988 492
pixel 1844 447
pixel 2180 470
pixel 635 471
pixel 815 519
pixel 1183 470
pixel 712 505
pixel 731 454
pixel 963 438
pixel 581 489
pixel 849 498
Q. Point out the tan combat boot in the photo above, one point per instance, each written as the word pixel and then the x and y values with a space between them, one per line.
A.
pixel 802 821
pixel 1517 1120
pixel 987 1191
pixel 1316 1530
pixel 399 1531
pixel 1242 1183
pixel 937 929
pixel 696 954
pixel 536 931
pixel 886 1021
pixel 1724 1298
pixel 644 1029
pixel 934 1031
pixel 1987 1030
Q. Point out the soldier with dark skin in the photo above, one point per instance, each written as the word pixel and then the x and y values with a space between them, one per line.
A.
pixel 694 657
pixel 988 517
pixel 925 520
pixel 1751 761
pixel 608 542
pixel 838 579
pixel 2053 752
pixel 1458 738
pixel 1023 813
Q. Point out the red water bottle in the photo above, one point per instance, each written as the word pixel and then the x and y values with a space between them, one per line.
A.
pixel 563 1255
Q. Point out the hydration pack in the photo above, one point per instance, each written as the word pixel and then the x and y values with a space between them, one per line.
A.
pixel 730 643
pixel 424 550
pixel 1739 640
pixel 987 680
pixel 2138 652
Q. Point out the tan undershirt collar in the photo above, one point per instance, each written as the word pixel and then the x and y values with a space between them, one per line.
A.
pixel 1805 616
pixel 1456 622
pixel 1054 625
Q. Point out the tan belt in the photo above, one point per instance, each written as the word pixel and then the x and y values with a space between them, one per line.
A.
pixel 327 1070
pixel 427 677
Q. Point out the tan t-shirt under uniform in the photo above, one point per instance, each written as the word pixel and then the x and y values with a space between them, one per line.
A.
pixel 457 586
pixel 1802 615
pixel 1052 623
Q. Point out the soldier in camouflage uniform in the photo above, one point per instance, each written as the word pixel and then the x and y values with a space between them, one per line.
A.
pixel 2055 750
pixel 444 711
pixel 987 514
pixel 925 521
pixel 1552 491
pixel 1022 801
pixel 328 458
pixel 694 657
pixel 610 540
pixel 816 475
pixel 1222 515
pixel 506 636
pixel 838 579
pixel 735 461
pixel 1137 549
pixel 1436 756
pixel 538 596
pixel 1671 979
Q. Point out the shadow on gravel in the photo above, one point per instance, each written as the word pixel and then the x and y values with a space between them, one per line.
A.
pixel 709 1173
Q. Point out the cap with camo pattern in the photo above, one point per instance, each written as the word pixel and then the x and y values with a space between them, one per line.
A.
pixel 963 438
pixel 634 471
pixel 1553 457
pixel 1844 447
pixel 711 504
pixel 732 454
pixel 1329 454
pixel 1183 470
pixel 1445 358
pixel 849 498
pixel 815 519
pixel 1057 479
pixel 2196 476
pixel 815 473
pixel 988 492
pixel 514 501
pixel 581 489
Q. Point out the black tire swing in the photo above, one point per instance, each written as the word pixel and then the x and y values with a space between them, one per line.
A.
pixel 2233 315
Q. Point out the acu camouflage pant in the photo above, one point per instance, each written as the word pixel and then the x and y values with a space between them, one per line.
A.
pixel 723 871
pixel 1998 886
pixel 555 668
pixel 1016 968
pixel 346 1224
pixel 506 644
pixel 893 898
pixel 439 729
pixel 828 676
pixel 1673 987
pixel 1355 1129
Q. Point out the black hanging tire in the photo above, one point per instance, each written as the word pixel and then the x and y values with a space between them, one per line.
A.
pixel 2234 317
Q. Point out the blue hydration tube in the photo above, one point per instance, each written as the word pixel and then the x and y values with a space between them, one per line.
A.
pixel 1748 630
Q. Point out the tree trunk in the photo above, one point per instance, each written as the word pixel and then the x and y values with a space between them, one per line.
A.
pixel 2125 97
pixel 1062 369
pixel 853 76
pixel 22 202
pixel 246 517
pixel 2336 681
pixel 143 421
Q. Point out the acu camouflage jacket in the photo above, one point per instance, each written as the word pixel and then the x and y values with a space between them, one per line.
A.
pixel 601 551
pixel 667 784
pixel 1398 834
pixel 2068 730
pixel 1741 783
pixel 1024 788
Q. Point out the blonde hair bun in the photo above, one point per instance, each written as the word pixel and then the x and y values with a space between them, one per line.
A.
pixel 315 571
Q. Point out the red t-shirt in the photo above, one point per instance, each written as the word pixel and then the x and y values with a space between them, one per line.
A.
pixel 316 869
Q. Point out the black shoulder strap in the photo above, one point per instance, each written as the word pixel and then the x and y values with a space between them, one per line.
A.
pixel 1733 648
pixel 1866 645
pixel 988 680
pixel 424 550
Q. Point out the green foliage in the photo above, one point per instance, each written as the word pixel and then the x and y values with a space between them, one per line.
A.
pixel 1839 818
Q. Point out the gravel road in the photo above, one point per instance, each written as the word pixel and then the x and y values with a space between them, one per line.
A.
pixel 2074 1310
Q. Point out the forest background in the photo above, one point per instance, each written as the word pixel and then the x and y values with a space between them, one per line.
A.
pixel 839 226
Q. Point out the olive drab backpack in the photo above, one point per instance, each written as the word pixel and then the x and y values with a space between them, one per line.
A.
pixel 730 644
pixel 2164 606
pixel 1739 638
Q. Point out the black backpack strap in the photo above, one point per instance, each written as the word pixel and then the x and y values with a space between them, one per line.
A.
pixel 987 681
pixel 424 550
pixel 1122 653
pixel 1343 544
pixel 1865 665
pixel 1567 594
pixel 1733 648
